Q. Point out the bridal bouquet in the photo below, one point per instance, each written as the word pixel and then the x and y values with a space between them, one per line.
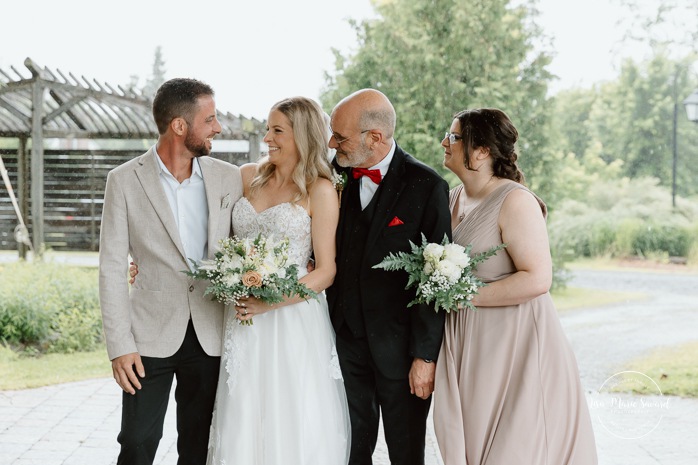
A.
pixel 251 268
pixel 443 273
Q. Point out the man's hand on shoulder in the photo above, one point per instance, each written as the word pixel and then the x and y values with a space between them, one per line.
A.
pixel 125 375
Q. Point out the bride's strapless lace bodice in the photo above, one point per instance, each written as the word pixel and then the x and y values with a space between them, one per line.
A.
pixel 282 220
pixel 266 413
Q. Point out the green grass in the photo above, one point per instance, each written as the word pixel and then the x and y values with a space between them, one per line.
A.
pixel 645 265
pixel 23 372
pixel 674 369
pixel 572 298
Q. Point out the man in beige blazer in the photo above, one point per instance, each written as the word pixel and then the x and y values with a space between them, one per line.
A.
pixel 165 208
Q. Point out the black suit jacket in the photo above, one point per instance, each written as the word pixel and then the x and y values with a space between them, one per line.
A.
pixel 417 196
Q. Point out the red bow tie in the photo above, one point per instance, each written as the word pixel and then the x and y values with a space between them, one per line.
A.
pixel 373 175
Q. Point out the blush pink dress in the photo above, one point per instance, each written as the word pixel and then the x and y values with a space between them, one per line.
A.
pixel 507 383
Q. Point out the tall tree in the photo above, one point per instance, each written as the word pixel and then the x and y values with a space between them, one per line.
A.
pixel 662 24
pixel 639 111
pixel 435 57
pixel 158 74
pixel 571 120
pixel 630 118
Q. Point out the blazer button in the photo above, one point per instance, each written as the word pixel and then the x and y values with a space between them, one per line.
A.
pixel 191 288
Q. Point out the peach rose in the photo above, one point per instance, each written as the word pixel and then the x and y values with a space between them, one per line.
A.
pixel 252 279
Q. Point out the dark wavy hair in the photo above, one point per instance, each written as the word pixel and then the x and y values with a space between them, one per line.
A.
pixel 178 98
pixel 491 128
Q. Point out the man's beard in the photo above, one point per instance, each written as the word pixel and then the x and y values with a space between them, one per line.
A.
pixel 358 157
pixel 198 148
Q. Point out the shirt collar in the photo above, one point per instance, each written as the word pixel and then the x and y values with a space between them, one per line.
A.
pixel 196 168
pixel 384 164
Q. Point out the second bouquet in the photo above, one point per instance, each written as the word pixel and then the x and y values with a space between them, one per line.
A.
pixel 444 274
pixel 251 268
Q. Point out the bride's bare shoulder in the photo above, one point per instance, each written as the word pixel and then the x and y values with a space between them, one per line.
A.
pixel 321 186
pixel 248 171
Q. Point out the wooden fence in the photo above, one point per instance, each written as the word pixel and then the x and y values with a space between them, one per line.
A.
pixel 74 182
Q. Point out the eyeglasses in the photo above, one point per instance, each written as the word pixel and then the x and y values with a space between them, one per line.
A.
pixel 452 138
pixel 339 141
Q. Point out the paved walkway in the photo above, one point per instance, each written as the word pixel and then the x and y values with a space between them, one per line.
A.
pixel 77 423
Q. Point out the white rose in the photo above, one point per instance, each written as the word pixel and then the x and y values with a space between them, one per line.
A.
pixel 449 269
pixel 428 268
pixel 231 262
pixel 456 254
pixel 433 252
pixel 231 279
pixel 268 266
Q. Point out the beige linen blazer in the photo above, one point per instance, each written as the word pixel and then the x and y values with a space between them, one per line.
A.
pixel 151 318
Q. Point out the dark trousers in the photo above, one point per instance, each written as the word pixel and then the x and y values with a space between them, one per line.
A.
pixel 370 395
pixel 143 414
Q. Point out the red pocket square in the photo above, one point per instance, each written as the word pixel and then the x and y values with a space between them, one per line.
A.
pixel 395 221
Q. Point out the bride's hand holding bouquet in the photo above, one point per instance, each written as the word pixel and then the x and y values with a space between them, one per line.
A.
pixel 252 274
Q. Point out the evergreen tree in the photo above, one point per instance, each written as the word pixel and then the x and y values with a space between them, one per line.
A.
pixel 158 75
pixel 433 58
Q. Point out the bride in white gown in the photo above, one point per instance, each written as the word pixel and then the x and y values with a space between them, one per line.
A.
pixel 280 397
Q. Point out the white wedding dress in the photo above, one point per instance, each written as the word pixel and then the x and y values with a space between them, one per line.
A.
pixel 280 397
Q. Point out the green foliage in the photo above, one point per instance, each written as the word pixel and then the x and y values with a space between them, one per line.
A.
pixel 630 120
pixel 49 307
pixel 624 218
pixel 433 58
pixel 635 237
pixel 79 329
pixel 561 275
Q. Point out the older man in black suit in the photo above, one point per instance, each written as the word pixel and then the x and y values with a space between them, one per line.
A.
pixel 387 352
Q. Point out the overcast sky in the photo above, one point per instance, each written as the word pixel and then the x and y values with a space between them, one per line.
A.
pixel 255 53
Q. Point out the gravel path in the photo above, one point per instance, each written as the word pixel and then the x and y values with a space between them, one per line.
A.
pixel 604 339
pixel 644 429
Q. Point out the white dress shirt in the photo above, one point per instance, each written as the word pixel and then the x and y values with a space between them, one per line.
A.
pixel 190 209
pixel 368 188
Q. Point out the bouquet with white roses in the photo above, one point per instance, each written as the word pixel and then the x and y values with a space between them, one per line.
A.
pixel 251 268
pixel 443 273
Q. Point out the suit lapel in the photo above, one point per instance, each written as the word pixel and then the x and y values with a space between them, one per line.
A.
pixel 391 186
pixel 149 176
pixel 345 199
pixel 212 184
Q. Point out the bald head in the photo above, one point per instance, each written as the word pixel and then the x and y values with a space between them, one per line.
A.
pixel 371 109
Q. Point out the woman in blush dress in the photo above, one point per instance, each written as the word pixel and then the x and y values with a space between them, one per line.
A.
pixel 507 387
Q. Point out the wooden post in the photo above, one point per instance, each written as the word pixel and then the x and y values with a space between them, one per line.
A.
pixel 253 151
pixel 37 168
pixel 94 236
pixel 22 188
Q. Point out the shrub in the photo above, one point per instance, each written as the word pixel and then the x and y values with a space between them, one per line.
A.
pixel 626 218
pixel 49 307
pixel 635 237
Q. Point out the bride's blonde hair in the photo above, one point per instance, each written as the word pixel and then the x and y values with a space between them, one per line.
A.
pixel 312 136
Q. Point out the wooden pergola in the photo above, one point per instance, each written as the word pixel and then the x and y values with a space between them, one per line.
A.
pixel 51 104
